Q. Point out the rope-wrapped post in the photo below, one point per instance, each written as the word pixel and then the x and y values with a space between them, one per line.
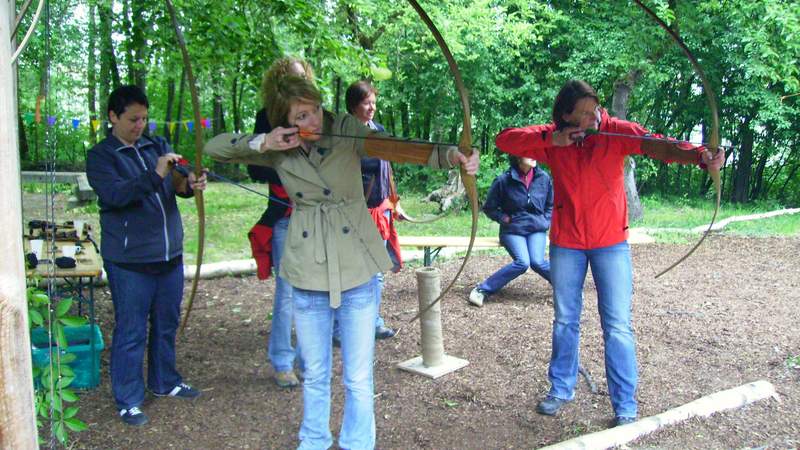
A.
pixel 434 362
pixel 429 286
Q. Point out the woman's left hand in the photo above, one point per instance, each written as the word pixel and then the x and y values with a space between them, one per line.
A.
pixel 712 161
pixel 198 184
pixel 471 163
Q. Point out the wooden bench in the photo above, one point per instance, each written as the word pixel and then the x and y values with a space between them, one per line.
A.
pixel 83 192
pixel 432 245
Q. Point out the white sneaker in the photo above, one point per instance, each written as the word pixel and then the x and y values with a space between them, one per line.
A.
pixel 476 297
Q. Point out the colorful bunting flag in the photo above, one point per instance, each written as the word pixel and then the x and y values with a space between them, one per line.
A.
pixel 76 123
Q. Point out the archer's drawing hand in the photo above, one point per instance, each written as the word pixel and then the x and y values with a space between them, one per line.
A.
pixel 567 136
pixel 166 162
pixel 281 139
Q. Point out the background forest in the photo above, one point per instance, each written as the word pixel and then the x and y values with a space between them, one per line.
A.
pixel 514 56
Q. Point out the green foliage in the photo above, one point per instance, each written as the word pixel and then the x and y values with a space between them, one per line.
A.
pixel 793 362
pixel 514 56
pixel 53 380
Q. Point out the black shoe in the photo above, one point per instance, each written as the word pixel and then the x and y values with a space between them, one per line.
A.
pixel 383 332
pixel 182 390
pixel 620 421
pixel 133 416
pixel 550 405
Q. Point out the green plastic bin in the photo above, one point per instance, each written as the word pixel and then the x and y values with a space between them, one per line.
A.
pixel 85 341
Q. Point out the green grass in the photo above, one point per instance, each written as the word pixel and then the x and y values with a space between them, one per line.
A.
pixel 231 212
pixel 682 213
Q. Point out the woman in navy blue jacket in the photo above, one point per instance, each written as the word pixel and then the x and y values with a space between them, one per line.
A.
pixel 521 201
pixel 136 183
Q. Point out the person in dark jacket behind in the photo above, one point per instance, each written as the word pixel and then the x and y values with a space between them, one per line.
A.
pixel 361 102
pixel 521 201
pixel 268 235
pixel 136 182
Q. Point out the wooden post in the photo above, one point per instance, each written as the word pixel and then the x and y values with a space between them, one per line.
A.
pixel 17 420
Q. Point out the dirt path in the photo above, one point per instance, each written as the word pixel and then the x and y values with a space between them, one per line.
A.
pixel 726 317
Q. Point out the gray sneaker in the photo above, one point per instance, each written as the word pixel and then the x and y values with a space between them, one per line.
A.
pixel 477 296
pixel 550 405
pixel 286 379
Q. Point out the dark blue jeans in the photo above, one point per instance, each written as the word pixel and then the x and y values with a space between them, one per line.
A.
pixel 140 298
pixel 527 251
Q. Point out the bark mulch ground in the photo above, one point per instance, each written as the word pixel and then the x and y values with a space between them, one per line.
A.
pixel 727 316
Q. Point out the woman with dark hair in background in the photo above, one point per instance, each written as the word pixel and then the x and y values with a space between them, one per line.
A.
pixel 521 201
pixel 376 175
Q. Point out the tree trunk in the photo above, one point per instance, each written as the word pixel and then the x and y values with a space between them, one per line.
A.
pixel 741 180
pixel 106 48
pixel 404 119
pixel 127 30
pixel 757 191
pixel 168 109
pixel 619 106
pixel 17 415
pixel 237 118
pixel 91 75
pixel 792 173
pixel 139 45
pixel 179 116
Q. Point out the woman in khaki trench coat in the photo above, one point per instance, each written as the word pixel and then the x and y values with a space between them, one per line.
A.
pixel 333 249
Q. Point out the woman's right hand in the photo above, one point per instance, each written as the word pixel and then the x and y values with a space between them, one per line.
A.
pixel 281 139
pixel 567 136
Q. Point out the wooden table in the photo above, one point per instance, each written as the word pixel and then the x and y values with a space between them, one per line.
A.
pixel 78 281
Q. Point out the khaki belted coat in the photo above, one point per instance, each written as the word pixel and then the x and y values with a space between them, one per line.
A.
pixel 332 242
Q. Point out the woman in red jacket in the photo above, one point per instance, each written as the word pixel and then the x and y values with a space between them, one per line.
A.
pixel 590 228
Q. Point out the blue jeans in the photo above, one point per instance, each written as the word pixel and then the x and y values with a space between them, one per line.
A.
pixel 139 298
pixel 613 277
pixel 280 350
pixel 527 251
pixel 314 321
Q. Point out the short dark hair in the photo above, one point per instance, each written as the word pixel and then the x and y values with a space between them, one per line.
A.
pixel 567 98
pixel 356 93
pixel 124 96
pixel 513 161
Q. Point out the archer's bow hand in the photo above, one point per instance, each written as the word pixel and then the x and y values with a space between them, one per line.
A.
pixel 198 184
pixel 711 160
pixel 469 163
pixel 279 139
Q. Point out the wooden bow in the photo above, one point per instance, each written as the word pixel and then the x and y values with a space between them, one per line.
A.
pixel 713 144
pixel 464 145
pixel 198 160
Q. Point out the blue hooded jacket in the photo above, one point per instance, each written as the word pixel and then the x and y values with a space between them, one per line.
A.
pixel 139 217
pixel 529 209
